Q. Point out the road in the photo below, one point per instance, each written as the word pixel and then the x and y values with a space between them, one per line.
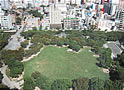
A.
pixel 13 44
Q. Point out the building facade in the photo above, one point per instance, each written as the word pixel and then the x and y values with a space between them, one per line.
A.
pixel 71 23
pixel 55 17
pixel 5 20
pixel 33 22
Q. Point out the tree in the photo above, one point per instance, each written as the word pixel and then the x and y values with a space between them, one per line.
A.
pixel 40 27
pixel 116 85
pixel 8 55
pixel 34 28
pixel 96 84
pixel 3 39
pixel 105 58
pixel 74 46
pixel 18 21
pixel 36 75
pixel 43 82
pixel 16 68
pixel 28 84
pixel 81 84
pixel 24 44
pixel 35 13
pixel 61 84
pixel 117 71
pixel 1 77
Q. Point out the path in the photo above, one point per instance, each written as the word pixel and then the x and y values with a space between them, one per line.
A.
pixel 13 44
pixel 6 80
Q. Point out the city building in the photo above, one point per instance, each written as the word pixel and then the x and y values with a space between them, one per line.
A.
pixel 45 23
pixel 5 4
pixel 55 17
pixel 71 23
pixel 114 5
pixel 33 22
pixel 120 19
pixel 5 20
pixel 106 25
pixel 121 4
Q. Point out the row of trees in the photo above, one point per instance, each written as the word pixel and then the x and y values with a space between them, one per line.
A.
pixel 65 84
pixel 3 39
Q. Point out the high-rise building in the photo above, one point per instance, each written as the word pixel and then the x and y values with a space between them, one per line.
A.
pixel 107 7
pixel 113 5
pixel 5 4
pixel 5 20
pixel 120 18
pixel 71 23
pixel 55 17
pixel 121 4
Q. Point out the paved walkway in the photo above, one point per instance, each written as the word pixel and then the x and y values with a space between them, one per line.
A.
pixel 6 80
pixel 115 48
pixel 14 43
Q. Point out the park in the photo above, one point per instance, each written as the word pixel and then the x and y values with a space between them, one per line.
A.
pixel 59 63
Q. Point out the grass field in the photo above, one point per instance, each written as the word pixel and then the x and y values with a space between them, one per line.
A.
pixel 57 63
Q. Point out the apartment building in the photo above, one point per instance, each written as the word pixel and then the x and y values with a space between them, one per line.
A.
pixel 55 17
pixel 33 22
pixel 5 20
pixel 71 23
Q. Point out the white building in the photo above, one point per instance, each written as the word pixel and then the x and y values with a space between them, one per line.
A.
pixel 114 6
pixel 106 25
pixel 45 23
pixel 55 17
pixel 33 22
pixel 63 8
pixel 5 20
pixel 4 4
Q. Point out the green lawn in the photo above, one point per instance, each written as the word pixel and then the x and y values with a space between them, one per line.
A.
pixel 57 63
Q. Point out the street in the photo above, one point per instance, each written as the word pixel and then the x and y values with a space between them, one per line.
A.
pixel 14 43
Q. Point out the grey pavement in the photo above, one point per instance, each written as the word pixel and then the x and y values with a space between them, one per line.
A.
pixel 10 84
pixel 14 43
pixel 62 34
pixel 115 48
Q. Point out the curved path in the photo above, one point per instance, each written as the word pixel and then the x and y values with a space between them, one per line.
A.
pixel 6 80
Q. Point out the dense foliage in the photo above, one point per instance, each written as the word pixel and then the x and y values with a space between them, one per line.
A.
pixel 12 58
pixel 96 84
pixel 36 13
pixel 81 84
pixel 117 70
pixel 18 21
pixel 61 84
pixel 24 44
pixel 4 39
pixel 29 84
